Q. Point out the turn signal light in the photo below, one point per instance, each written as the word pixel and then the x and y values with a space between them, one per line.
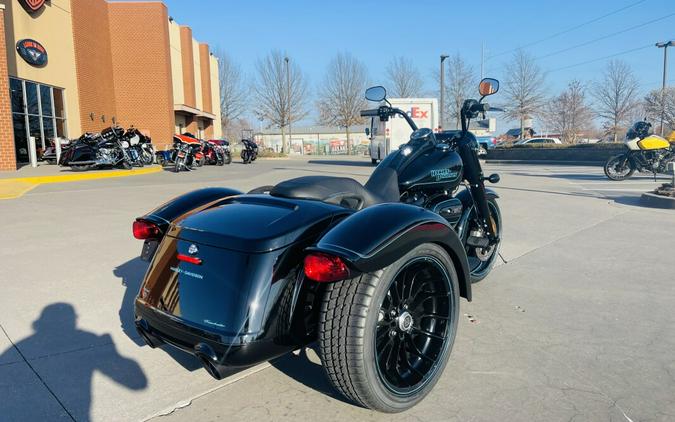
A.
pixel 325 268
pixel 146 230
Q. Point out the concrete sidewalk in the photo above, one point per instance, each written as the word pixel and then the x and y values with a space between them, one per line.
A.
pixel 576 326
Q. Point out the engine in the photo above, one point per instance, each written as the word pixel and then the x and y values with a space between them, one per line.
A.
pixel 107 156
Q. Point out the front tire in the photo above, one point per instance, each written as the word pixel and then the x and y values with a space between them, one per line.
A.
pixel 618 168
pixel 482 260
pixel 385 337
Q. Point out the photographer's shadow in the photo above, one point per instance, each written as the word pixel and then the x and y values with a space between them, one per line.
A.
pixel 56 329
pixel 131 273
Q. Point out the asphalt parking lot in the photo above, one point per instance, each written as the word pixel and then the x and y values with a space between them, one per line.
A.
pixel 576 323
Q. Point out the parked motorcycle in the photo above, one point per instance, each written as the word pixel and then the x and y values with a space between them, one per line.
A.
pixel 93 150
pixel 645 152
pixel 183 154
pixel 250 151
pixel 144 151
pixel 213 153
pixel 49 156
pixel 373 272
pixel 224 147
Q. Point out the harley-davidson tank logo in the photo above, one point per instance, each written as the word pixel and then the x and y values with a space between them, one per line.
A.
pixel 193 249
pixel 32 52
pixel 443 174
pixel 33 5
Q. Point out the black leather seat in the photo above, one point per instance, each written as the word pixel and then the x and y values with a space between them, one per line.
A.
pixel 381 187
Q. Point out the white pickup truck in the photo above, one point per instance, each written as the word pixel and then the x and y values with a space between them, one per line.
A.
pixel 386 137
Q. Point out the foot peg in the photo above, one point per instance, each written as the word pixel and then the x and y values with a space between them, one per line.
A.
pixel 478 242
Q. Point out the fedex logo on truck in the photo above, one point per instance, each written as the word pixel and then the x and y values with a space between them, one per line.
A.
pixel 417 113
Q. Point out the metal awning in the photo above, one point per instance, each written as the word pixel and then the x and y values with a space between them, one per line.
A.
pixel 182 108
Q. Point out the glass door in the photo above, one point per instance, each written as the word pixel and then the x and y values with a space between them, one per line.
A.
pixel 38 111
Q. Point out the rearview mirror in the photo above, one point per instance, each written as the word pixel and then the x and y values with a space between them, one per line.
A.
pixel 488 86
pixel 376 93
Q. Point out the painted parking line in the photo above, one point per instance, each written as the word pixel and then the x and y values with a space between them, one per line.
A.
pixel 17 187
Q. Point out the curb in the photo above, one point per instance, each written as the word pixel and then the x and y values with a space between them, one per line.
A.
pixel 653 200
pixel 17 187
pixel 548 162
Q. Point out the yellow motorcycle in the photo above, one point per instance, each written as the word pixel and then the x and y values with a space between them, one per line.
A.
pixel 645 152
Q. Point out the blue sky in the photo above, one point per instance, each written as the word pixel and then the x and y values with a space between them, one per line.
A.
pixel 312 32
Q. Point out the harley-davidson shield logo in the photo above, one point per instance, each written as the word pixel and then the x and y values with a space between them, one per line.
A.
pixel 32 52
pixel 33 5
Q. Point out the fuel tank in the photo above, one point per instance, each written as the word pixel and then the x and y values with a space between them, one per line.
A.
pixel 436 168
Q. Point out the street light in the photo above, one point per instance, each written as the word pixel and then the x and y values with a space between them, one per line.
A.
pixel 440 123
pixel 288 86
pixel 665 46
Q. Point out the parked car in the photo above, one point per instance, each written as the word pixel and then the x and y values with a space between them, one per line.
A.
pixel 538 141
pixel 486 143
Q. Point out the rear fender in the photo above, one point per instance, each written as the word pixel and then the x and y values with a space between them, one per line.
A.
pixel 376 237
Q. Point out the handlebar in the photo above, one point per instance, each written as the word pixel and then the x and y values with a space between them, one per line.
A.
pixel 373 112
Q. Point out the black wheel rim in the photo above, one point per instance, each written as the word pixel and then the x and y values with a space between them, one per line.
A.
pixel 481 259
pixel 414 326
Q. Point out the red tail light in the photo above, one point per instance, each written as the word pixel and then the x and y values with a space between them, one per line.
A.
pixel 146 230
pixel 190 259
pixel 325 268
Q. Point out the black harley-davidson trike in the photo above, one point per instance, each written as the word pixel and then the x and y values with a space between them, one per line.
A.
pixel 372 272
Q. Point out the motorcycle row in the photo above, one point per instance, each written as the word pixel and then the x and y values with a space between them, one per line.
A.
pixel 645 153
pixel 115 147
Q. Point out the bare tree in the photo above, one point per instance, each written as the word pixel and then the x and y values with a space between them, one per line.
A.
pixel 523 89
pixel 460 81
pixel 341 95
pixel 272 92
pixel 232 91
pixel 615 96
pixel 405 78
pixel 661 101
pixel 568 113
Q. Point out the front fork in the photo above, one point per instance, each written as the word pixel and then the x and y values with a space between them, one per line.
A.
pixel 473 174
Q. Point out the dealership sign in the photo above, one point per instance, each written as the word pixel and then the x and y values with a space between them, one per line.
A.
pixel 33 5
pixel 32 52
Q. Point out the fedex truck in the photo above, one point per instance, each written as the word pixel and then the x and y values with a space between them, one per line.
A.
pixel 386 137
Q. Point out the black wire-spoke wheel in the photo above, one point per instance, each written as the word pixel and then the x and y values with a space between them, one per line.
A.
pixel 385 337
pixel 412 325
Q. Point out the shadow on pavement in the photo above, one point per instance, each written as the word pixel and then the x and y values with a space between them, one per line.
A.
pixel 61 318
pixel 132 273
pixel 348 163
pixel 307 373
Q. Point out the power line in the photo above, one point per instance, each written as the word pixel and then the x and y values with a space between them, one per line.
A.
pixel 604 37
pixel 602 58
pixel 565 31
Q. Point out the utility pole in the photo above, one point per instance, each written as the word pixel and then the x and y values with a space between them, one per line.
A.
pixel 482 59
pixel 442 105
pixel 665 46
pixel 288 86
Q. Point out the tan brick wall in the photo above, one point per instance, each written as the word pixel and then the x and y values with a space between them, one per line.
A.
pixel 142 68
pixel 7 153
pixel 94 63
pixel 205 69
pixel 187 56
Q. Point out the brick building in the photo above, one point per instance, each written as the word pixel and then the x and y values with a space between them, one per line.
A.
pixel 73 66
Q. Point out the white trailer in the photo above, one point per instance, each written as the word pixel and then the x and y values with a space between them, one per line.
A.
pixel 386 137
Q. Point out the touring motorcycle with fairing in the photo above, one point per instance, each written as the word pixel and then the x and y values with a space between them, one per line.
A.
pixel 645 152
pixel 372 272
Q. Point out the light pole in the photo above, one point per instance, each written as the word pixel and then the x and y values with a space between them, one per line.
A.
pixel 665 46
pixel 442 105
pixel 288 87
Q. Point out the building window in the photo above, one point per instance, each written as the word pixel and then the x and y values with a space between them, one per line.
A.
pixel 37 110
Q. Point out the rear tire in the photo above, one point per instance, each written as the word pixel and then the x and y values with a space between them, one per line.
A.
pixel 228 158
pixel 373 161
pixel 83 167
pixel 618 174
pixel 363 330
